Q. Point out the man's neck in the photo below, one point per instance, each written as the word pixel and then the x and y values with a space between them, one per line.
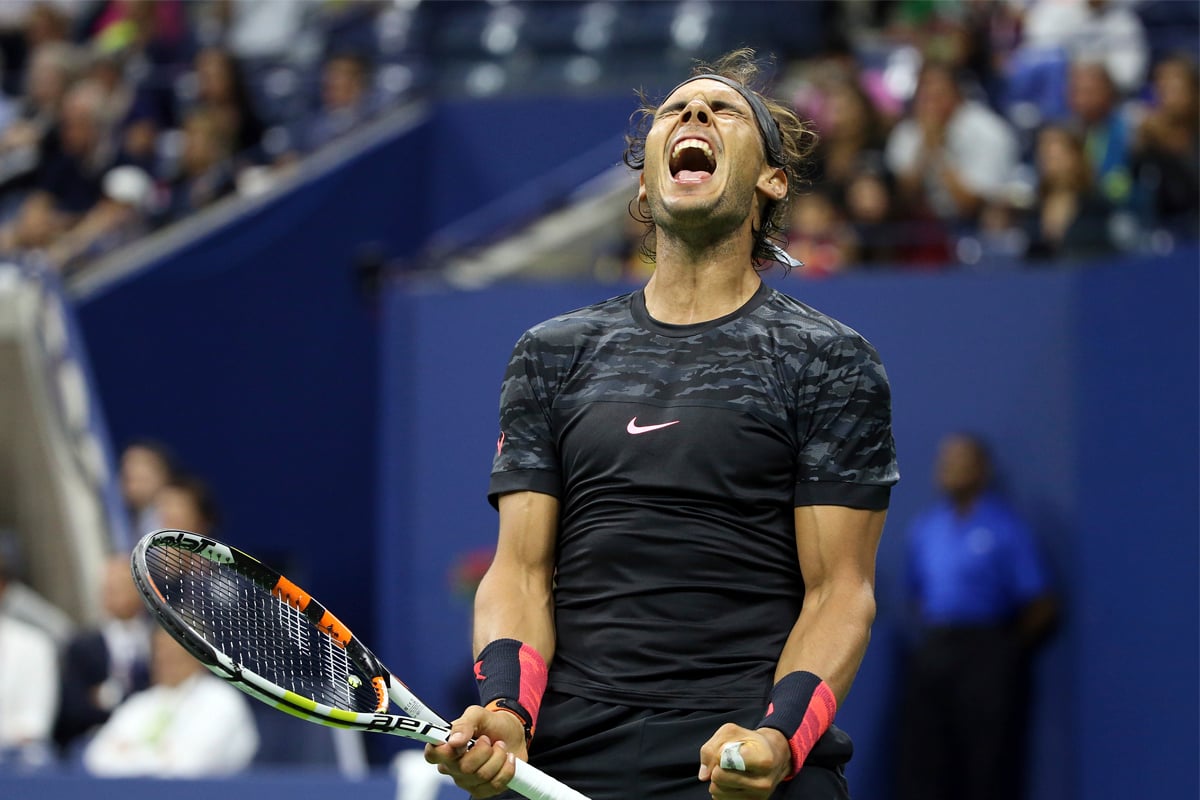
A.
pixel 688 288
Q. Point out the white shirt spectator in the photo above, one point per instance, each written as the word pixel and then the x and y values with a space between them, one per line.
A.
pixel 1112 33
pixel 28 684
pixel 202 727
pixel 979 146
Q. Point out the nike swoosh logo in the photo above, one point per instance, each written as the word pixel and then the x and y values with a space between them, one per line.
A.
pixel 635 429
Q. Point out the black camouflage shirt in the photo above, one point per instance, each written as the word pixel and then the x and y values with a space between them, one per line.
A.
pixel 677 453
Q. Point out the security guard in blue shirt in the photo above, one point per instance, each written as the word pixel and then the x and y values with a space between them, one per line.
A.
pixel 983 600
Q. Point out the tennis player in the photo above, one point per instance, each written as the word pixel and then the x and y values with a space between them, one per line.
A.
pixel 692 480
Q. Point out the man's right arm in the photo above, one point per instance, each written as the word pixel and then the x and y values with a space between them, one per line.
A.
pixel 513 601
pixel 514 598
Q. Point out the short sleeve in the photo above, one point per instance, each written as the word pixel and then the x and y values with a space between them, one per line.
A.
pixel 526 454
pixel 847 455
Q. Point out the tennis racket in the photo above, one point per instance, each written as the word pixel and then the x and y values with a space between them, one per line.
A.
pixel 268 637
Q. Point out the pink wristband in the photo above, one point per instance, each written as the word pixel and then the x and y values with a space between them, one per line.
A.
pixel 512 676
pixel 801 707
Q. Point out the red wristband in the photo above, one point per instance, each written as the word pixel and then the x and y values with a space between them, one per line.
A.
pixel 801 707
pixel 512 677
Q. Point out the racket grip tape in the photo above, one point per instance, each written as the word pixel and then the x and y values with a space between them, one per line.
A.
pixel 529 781
pixel 801 706
pixel 511 676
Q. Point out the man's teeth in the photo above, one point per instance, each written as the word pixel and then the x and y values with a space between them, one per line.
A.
pixel 702 146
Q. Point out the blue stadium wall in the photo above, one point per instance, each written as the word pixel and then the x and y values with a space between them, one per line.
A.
pixel 364 427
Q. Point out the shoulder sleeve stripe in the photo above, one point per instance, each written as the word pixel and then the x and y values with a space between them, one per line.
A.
pixel 523 480
pixel 871 497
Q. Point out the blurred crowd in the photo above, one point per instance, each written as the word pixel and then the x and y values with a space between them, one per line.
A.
pixel 118 117
pixel 953 132
pixel 999 133
pixel 118 697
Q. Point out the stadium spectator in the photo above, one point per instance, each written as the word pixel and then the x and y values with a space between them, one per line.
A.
pixel 106 664
pixel 950 153
pixel 206 171
pixel 1071 221
pixel 186 503
pixel 53 66
pixel 851 131
pixel 346 101
pixel 155 33
pixel 1166 149
pixel 1097 111
pixel 28 689
pixel 221 89
pixel 189 723
pixel 1093 30
pixel 871 213
pixel 819 236
pixel 982 597
pixel 73 169
pixel 120 215
pixel 262 30
pixel 146 467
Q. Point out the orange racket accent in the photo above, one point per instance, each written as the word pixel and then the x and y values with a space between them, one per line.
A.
pixel 291 594
pixel 333 626
pixel 381 693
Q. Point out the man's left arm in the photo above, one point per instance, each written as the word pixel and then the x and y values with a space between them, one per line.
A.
pixel 836 547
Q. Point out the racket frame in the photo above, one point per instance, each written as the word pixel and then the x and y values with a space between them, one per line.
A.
pixel 418 722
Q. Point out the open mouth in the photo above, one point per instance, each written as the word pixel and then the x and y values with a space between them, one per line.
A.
pixel 692 161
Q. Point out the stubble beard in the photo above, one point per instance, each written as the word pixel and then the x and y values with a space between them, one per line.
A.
pixel 701 225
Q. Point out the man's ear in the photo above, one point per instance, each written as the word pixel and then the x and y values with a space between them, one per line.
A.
pixel 774 183
pixel 641 195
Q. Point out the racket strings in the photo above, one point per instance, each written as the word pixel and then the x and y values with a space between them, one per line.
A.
pixel 257 631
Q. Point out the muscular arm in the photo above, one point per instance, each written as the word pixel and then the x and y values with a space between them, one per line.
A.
pixel 513 601
pixel 836 547
pixel 514 598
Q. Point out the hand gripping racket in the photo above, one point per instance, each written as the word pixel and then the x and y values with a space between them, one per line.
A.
pixel 268 637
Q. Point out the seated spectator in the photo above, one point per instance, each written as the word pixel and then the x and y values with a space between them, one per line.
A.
pixel 36 225
pixel 1071 220
pixel 103 666
pixel 1166 148
pixel 186 503
pixel 205 166
pixel 257 29
pixel 119 216
pixel 146 467
pixel 346 101
pixel 221 89
pixel 819 237
pixel 28 689
pixel 189 723
pixel 1097 111
pixel 885 236
pixel 23 143
pixel 69 175
pixel 850 129
pixel 1095 30
pixel 153 31
pixel 73 171
pixel 950 153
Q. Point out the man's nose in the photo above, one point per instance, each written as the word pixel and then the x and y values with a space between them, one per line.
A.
pixel 696 111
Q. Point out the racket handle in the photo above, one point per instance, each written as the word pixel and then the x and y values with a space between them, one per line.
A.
pixel 531 782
